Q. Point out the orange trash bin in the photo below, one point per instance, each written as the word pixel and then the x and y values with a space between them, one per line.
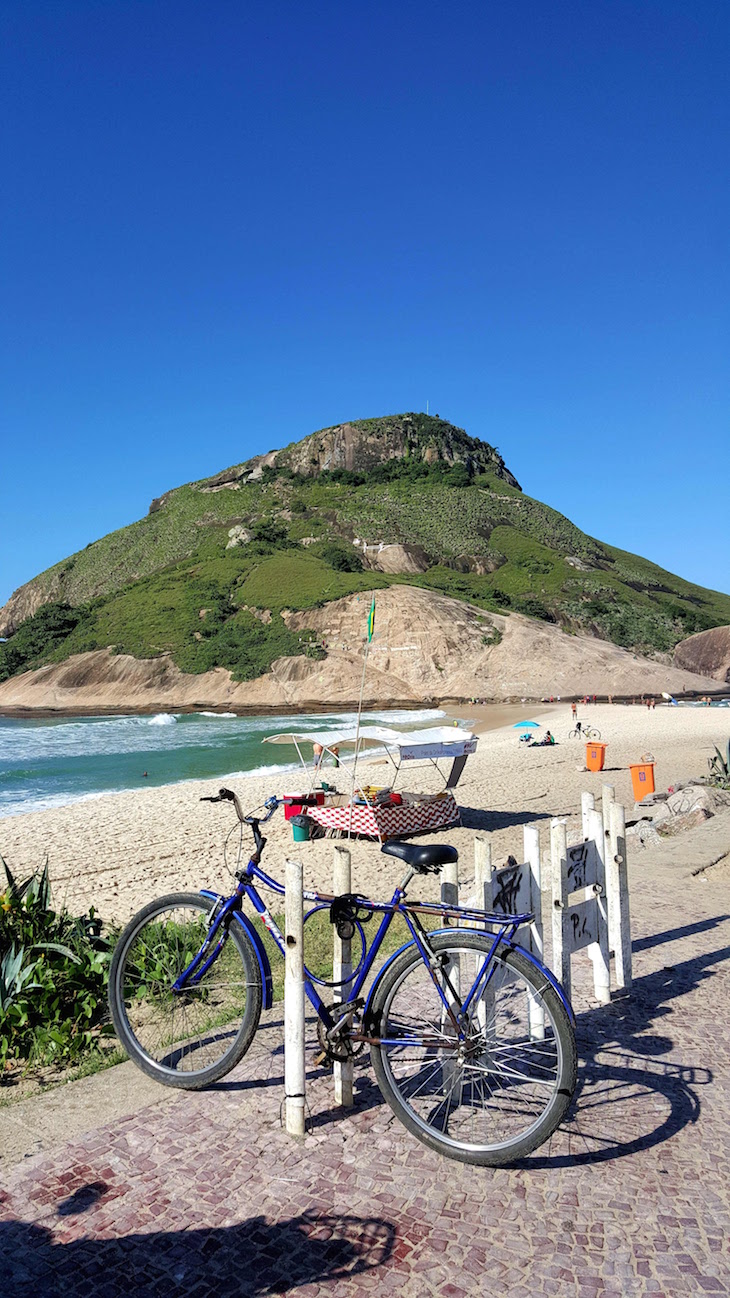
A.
pixel 595 756
pixel 642 779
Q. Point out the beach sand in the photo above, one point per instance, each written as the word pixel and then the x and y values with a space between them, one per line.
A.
pixel 119 852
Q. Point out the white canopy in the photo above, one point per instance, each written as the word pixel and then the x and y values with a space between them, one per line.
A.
pixel 437 741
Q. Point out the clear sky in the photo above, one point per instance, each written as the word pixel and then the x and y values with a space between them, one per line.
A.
pixel 227 224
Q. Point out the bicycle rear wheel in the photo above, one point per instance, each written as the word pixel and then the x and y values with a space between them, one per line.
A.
pixel 498 1090
pixel 191 1038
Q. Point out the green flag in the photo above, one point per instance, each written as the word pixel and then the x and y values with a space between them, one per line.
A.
pixel 371 620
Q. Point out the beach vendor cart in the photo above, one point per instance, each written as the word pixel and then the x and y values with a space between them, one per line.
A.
pixel 373 811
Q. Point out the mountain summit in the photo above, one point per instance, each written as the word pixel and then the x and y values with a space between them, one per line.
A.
pixel 366 444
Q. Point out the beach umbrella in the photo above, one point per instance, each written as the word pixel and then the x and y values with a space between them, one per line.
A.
pixel 526 725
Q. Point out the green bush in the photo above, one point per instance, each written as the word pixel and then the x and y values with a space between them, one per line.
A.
pixel 53 971
pixel 37 636
pixel 534 608
pixel 339 555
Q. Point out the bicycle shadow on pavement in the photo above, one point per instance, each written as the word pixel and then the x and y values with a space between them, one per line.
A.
pixel 255 1257
pixel 630 1096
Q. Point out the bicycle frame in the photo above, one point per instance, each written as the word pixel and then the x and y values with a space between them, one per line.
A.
pixel 226 908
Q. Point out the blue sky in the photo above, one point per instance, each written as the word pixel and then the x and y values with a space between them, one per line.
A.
pixel 225 225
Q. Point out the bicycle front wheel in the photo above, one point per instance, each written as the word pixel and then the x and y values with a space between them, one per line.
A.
pixel 497 1088
pixel 191 1038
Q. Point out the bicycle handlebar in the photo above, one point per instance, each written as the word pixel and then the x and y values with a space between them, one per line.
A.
pixel 227 795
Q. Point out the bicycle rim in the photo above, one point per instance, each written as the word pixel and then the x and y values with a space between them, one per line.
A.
pixel 495 1092
pixel 189 1038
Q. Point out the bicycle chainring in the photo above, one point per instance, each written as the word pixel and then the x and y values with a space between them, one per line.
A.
pixel 338 1048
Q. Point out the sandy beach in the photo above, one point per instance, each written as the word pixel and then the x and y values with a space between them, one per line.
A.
pixel 118 852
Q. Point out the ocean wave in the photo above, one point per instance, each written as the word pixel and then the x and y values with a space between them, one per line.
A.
pixel 162 719
pixel 214 714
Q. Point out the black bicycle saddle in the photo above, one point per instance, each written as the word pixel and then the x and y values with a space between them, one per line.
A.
pixel 424 860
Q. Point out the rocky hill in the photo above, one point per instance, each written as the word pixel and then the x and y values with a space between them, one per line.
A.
pixel 223 573
pixel 708 653
pixel 427 648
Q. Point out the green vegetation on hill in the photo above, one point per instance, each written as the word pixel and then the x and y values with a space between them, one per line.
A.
pixel 170 583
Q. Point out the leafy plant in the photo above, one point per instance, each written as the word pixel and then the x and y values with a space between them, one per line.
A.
pixel 53 968
pixel 720 767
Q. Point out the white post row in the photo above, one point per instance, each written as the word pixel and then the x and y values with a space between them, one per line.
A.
pixel 341 971
pixel 294 1070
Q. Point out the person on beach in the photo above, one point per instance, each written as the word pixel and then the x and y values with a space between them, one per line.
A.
pixel 574 710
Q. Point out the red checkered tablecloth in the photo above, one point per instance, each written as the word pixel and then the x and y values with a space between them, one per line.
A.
pixel 389 822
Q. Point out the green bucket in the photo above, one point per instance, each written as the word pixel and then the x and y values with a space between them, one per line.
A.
pixel 300 828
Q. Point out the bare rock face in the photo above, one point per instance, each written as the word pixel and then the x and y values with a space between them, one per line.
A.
pixel 366 443
pixel 27 599
pixel 238 535
pixel 395 558
pixel 427 647
pixel 707 653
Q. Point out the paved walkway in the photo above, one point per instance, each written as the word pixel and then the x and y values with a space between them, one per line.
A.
pixel 204 1195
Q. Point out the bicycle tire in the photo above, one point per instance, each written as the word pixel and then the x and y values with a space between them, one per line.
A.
pixel 453 1105
pixel 592 734
pixel 163 1033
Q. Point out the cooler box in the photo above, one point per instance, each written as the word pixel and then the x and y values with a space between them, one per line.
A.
pixel 595 756
pixel 293 802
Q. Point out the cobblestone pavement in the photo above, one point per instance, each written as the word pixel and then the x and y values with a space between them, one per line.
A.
pixel 207 1196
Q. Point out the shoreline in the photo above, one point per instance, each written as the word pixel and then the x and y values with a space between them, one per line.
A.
pixel 316 708
pixel 120 851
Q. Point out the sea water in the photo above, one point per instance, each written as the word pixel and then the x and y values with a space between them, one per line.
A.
pixel 52 761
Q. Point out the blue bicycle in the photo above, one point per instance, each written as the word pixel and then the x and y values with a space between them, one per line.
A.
pixel 471 1037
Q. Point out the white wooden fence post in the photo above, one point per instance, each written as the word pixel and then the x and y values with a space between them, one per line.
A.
pixel 608 795
pixel 450 884
pixel 598 951
pixel 483 874
pixel 341 970
pixel 559 872
pixel 531 840
pixel 587 805
pixel 483 881
pixel 450 897
pixel 619 916
pixel 294 1072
